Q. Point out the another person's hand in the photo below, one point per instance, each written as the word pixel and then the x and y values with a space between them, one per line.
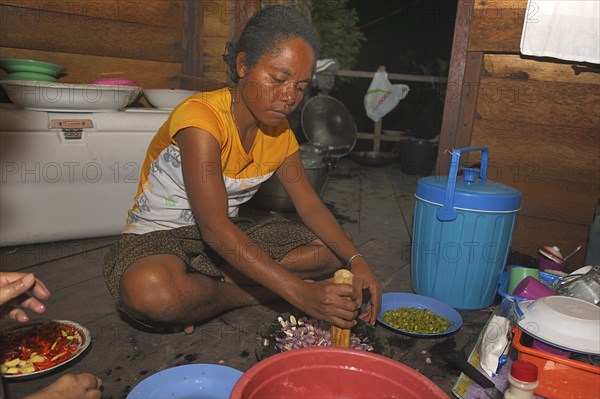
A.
pixel 71 386
pixel 23 290
pixel 18 291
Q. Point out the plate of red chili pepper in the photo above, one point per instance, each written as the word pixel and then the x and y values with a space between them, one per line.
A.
pixel 34 348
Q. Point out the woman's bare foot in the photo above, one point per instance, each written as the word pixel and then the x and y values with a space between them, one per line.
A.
pixel 189 330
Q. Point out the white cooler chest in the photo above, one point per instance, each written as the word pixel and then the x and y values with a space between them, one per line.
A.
pixel 69 175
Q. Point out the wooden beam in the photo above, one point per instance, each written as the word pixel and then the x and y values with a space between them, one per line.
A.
pixel 83 68
pixel 531 233
pixel 468 100
pixel 191 38
pixel 458 60
pixel 244 10
pixel 392 76
pixel 145 12
pixel 497 26
pixel 514 66
pixel 66 32
pixel 539 102
pixel 383 137
pixel 377 136
pixel 560 152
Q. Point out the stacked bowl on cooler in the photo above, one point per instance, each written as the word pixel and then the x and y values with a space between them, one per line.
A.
pixel 34 85
pixel 22 69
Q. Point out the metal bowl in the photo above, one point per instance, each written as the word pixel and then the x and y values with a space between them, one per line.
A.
pixel 271 195
pixel 326 122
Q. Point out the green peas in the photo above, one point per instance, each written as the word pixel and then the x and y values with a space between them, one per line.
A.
pixel 421 321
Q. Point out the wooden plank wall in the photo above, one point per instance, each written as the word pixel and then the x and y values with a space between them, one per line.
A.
pixel 157 43
pixel 142 40
pixel 541 121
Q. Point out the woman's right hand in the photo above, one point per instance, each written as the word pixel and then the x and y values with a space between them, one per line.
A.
pixel 335 303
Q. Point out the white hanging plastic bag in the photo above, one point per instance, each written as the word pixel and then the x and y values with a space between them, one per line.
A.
pixel 382 96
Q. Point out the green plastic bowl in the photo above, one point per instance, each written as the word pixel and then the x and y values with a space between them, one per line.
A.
pixel 38 77
pixel 12 65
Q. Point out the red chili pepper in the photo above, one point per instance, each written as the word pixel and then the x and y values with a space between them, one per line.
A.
pixel 45 348
pixel 43 365
pixel 25 351
pixel 60 345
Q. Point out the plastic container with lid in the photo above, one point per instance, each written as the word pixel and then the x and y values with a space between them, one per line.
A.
pixel 522 380
pixel 462 231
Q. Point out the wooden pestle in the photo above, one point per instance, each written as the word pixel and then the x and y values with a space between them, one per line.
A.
pixel 340 337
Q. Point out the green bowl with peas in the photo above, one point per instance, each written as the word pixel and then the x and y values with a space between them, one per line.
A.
pixel 417 315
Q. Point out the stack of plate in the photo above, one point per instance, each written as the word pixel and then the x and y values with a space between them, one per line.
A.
pixel 21 69
pixel 567 323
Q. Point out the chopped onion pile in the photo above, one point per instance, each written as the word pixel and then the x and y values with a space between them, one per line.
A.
pixel 307 332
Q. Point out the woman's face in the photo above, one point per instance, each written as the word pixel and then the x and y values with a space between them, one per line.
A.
pixel 275 86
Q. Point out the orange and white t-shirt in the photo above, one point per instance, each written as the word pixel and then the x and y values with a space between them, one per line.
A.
pixel 161 201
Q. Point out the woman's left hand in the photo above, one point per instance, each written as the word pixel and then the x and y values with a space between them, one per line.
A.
pixel 366 280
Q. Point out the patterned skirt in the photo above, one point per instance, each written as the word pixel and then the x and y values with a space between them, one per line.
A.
pixel 275 236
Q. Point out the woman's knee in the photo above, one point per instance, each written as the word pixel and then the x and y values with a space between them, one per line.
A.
pixel 325 256
pixel 149 291
pixel 313 260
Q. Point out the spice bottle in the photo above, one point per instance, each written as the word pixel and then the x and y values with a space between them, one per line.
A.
pixel 522 379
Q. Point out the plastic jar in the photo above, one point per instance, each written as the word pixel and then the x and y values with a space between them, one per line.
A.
pixel 522 379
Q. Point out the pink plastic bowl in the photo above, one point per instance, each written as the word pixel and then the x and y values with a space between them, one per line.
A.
pixel 545 263
pixel 530 288
pixel 328 372
pixel 115 82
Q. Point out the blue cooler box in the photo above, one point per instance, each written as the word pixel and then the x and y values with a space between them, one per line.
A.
pixel 462 231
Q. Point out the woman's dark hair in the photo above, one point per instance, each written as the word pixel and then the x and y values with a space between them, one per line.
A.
pixel 265 31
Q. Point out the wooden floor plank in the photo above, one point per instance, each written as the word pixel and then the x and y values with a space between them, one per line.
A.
pixel 25 256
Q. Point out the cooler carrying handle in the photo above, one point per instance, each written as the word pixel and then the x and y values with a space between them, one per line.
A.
pixel 447 211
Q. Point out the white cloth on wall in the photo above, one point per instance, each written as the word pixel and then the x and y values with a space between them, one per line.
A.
pixel 564 29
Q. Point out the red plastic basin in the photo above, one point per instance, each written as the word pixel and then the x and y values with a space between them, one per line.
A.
pixel 333 373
